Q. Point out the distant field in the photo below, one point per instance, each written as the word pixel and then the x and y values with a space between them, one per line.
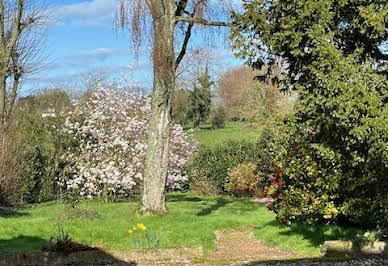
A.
pixel 233 131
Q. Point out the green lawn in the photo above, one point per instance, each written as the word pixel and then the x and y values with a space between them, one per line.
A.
pixel 233 131
pixel 191 221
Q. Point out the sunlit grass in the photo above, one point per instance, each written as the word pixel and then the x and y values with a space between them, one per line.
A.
pixel 233 131
pixel 192 221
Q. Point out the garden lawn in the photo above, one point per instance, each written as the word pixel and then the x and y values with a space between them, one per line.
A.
pixel 192 221
pixel 232 131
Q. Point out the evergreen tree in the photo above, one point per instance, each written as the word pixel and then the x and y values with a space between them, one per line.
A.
pixel 200 99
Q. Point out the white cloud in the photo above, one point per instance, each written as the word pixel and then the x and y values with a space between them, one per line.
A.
pixel 93 13
pixel 98 54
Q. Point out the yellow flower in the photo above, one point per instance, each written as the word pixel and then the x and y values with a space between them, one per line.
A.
pixel 134 228
pixel 141 227
pixel 130 231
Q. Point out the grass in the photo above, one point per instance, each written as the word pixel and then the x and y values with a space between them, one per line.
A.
pixel 233 131
pixel 192 221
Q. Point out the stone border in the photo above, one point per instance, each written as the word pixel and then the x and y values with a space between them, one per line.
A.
pixel 134 256
pixel 351 248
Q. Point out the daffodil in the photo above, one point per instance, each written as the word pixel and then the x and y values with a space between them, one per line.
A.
pixel 130 231
pixel 141 226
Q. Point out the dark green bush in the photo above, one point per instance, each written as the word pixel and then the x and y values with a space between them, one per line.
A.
pixel 271 147
pixel 41 142
pixel 336 169
pixel 211 164
pixel 336 166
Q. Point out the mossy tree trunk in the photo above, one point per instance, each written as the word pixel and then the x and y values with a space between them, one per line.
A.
pixel 155 174
pixel 165 14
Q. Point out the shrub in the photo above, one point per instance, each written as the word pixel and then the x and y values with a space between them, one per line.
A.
pixel 218 118
pixel 271 147
pixel 37 118
pixel 336 168
pixel 180 106
pixel 242 180
pixel 202 184
pixel 109 131
pixel 11 186
pixel 211 164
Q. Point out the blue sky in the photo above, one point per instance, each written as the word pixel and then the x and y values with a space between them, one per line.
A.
pixel 83 41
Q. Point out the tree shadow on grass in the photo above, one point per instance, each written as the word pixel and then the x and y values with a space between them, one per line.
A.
pixel 178 198
pixel 22 243
pixel 220 202
pixel 13 252
pixel 210 204
pixel 11 212
pixel 316 234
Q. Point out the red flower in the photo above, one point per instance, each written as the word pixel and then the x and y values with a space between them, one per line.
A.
pixel 277 195
pixel 282 183
pixel 274 181
pixel 275 185
pixel 270 207
pixel 278 174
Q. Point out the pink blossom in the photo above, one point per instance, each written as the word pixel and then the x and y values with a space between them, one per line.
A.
pixel 111 127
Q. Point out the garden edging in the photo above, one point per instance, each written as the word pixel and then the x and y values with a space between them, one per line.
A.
pixel 103 256
pixel 351 248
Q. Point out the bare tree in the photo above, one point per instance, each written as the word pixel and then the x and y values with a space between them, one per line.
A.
pixel 21 45
pixel 167 17
pixel 194 64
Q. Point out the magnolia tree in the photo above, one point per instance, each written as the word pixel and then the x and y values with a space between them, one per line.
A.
pixel 110 131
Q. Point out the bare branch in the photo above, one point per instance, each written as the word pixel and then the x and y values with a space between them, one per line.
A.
pixel 204 21
pixel 181 8
pixel 17 73
pixel 22 28
pixel 2 41
pixel 184 45
pixel 16 27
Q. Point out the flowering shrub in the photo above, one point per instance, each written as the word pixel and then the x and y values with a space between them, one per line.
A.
pixel 308 187
pixel 314 188
pixel 110 130
pixel 277 186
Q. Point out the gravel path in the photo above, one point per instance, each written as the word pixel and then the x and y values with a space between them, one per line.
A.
pixel 366 261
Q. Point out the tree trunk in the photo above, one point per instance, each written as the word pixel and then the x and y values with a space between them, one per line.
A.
pixel 155 173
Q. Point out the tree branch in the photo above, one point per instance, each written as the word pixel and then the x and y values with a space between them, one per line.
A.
pixel 184 45
pixel 12 97
pixel 2 37
pixel 17 28
pixel 181 7
pixel 203 21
